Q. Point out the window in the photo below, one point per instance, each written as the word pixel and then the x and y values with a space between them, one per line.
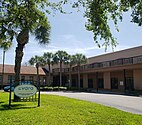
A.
pixel 114 83
pixel 116 62
pixel 10 78
pixel 100 83
pixel 74 83
pixel 90 83
pixel 31 78
pixel 0 79
pixel 129 83
pixel 81 83
pixel 44 80
pixel 137 59
pixel 128 61
pixel 22 78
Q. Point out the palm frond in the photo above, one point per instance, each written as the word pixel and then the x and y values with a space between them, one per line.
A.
pixel 42 34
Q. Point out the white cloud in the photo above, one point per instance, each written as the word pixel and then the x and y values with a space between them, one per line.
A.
pixel 66 42
pixel 67 36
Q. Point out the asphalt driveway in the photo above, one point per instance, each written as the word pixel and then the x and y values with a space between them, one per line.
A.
pixel 126 103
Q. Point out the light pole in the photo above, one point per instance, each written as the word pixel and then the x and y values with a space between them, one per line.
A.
pixel 3 69
pixel 37 67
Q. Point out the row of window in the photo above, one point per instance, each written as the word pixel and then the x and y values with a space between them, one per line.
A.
pixel 117 62
pixel 11 78
pixel 23 78
pixel 114 83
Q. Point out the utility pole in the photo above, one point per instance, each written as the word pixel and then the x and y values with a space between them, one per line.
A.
pixel 38 81
pixel 3 69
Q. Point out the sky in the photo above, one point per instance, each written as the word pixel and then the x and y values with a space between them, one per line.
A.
pixel 68 33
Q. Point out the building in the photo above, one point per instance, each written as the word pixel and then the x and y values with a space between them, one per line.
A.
pixel 27 73
pixel 118 71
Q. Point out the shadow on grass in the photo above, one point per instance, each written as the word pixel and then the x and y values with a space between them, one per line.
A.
pixel 1 102
pixel 15 107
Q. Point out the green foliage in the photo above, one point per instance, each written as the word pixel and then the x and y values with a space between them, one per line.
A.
pixel 137 12
pixel 56 110
pixel 70 60
pixel 60 56
pixel 16 15
pixel 80 59
pixel 48 58
pixel 36 59
pixel 56 88
pixel 5 45
pixel 19 15
pixel 100 13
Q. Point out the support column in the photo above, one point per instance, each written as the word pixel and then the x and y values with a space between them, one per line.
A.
pixel 107 82
pixel 85 81
pixel 124 72
pixel 137 79
pixel 97 82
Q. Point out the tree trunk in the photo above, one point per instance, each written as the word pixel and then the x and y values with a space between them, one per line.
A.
pixel 79 77
pixel 3 69
pixel 49 82
pixel 18 60
pixel 60 74
pixel 70 78
pixel 22 39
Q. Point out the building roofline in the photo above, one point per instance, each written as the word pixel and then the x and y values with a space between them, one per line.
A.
pixel 119 51
pixel 29 70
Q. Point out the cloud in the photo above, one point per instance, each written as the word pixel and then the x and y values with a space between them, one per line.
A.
pixel 67 36
pixel 70 44
pixel 66 42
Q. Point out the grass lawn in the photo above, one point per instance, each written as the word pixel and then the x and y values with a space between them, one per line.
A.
pixel 56 110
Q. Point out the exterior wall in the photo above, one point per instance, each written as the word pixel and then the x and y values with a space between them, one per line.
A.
pixel 138 79
pixel 5 79
pixel 107 82
pixel 93 77
pixel 85 80
pixel 120 76
pixel 74 80
pixel 137 51
pixel 27 77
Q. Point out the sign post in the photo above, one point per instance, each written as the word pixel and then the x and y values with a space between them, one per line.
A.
pixel 37 66
pixel 25 91
pixel 9 97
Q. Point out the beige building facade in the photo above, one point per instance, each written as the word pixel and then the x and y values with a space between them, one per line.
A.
pixel 118 71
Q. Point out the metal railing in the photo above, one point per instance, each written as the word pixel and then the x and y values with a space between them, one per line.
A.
pixel 106 64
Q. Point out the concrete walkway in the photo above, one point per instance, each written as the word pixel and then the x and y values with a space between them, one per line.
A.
pixel 126 103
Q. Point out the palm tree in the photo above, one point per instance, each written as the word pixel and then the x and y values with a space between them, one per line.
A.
pixel 5 45
pixel 70 61
pixel 60 57
pixel 79 59
pixel 48 59
pixel 19 19
pixel 36 59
